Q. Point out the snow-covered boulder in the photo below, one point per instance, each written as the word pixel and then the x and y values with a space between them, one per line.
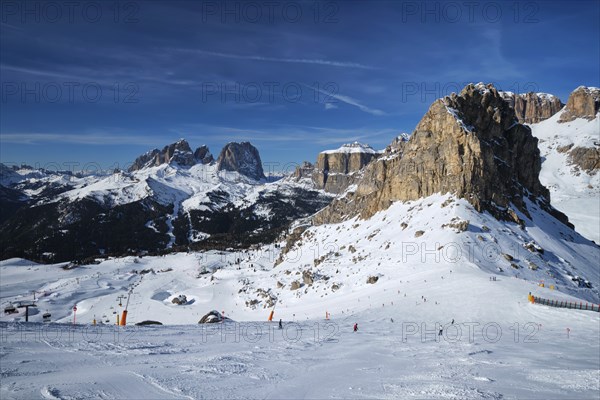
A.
pixel 212 317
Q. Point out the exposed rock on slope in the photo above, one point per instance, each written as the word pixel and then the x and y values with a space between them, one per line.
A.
pixel 468 144
pixel 533 107
pixel 178 152
pixel 242 158
pixel 584 102
pixel 586 158
pixel 335 169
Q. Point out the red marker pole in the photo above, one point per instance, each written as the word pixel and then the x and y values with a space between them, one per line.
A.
pixel 74 313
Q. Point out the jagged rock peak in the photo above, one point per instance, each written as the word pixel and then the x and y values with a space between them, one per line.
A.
pixel 179 153
pixel 397 144
pixel 469 144
pixel 304 170
pixel 584 102
pixel 531 107
pixel 242 158
pixel 203 155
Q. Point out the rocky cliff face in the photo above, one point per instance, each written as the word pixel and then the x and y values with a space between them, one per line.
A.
pixel 531 108
pixel 242 158
pixel 303 171
pixel 584 102
pixel 335 170
pixel 397 144
pixel 178 152
pixel 468 144
pixel 203 155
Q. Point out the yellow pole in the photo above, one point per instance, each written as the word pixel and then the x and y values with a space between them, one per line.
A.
pixel 118 319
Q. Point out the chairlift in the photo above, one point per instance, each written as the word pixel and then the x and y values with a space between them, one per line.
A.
pixel 10 309
pixel 46 316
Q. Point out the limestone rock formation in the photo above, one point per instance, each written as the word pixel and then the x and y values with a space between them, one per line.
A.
pixel 335 170
pixel 307 277
pixel 468 144
pixel 242 158
pixel 397 144
pixel 584 102
pixel 531 107
pixel 178 152
pixel 586 158
pixel 303 171
pixel 203 155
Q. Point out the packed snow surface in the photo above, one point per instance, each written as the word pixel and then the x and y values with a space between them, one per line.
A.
pixel 429 272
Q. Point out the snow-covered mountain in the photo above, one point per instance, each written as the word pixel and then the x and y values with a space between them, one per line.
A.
pixel 336 170
pixel 178 153
pixel 432 252
pixel 569 143
pixel 169 199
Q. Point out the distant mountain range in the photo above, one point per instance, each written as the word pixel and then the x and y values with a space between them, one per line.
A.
pixel 504 153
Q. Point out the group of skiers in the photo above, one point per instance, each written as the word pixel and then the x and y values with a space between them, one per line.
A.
pixel 355 326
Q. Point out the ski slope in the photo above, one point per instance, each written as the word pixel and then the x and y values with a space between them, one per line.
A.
pixel 505 348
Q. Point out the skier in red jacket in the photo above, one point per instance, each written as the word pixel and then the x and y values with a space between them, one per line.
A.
pixel 355 327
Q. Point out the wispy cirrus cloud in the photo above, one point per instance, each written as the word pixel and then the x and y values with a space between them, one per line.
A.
pixel 350 101
pixel 323 136
pixel 344 64
pixel 92 139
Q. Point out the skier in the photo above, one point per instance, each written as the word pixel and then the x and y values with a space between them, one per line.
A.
pixel 280 324
pixel 441 330
pixel 452 321
pixel 355 327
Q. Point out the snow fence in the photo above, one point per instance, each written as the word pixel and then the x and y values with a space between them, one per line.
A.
pixel 564 304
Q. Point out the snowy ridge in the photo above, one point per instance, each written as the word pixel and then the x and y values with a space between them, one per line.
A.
pixel 573 191
pixel 541 95
pixel 351 148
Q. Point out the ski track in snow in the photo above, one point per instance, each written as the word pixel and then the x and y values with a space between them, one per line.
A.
pixel 180 362
pixel 533 357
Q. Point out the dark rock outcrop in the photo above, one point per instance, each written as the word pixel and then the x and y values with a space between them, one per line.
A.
pixel 242 158
pixel 148 322
pixel 203 155
pixel 585 158
pixel 212 317
pixel 468 144
pixel 178 152
pixel 584 102
pixel 531 107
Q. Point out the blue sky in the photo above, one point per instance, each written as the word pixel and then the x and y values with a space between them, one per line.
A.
pixel 95 83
